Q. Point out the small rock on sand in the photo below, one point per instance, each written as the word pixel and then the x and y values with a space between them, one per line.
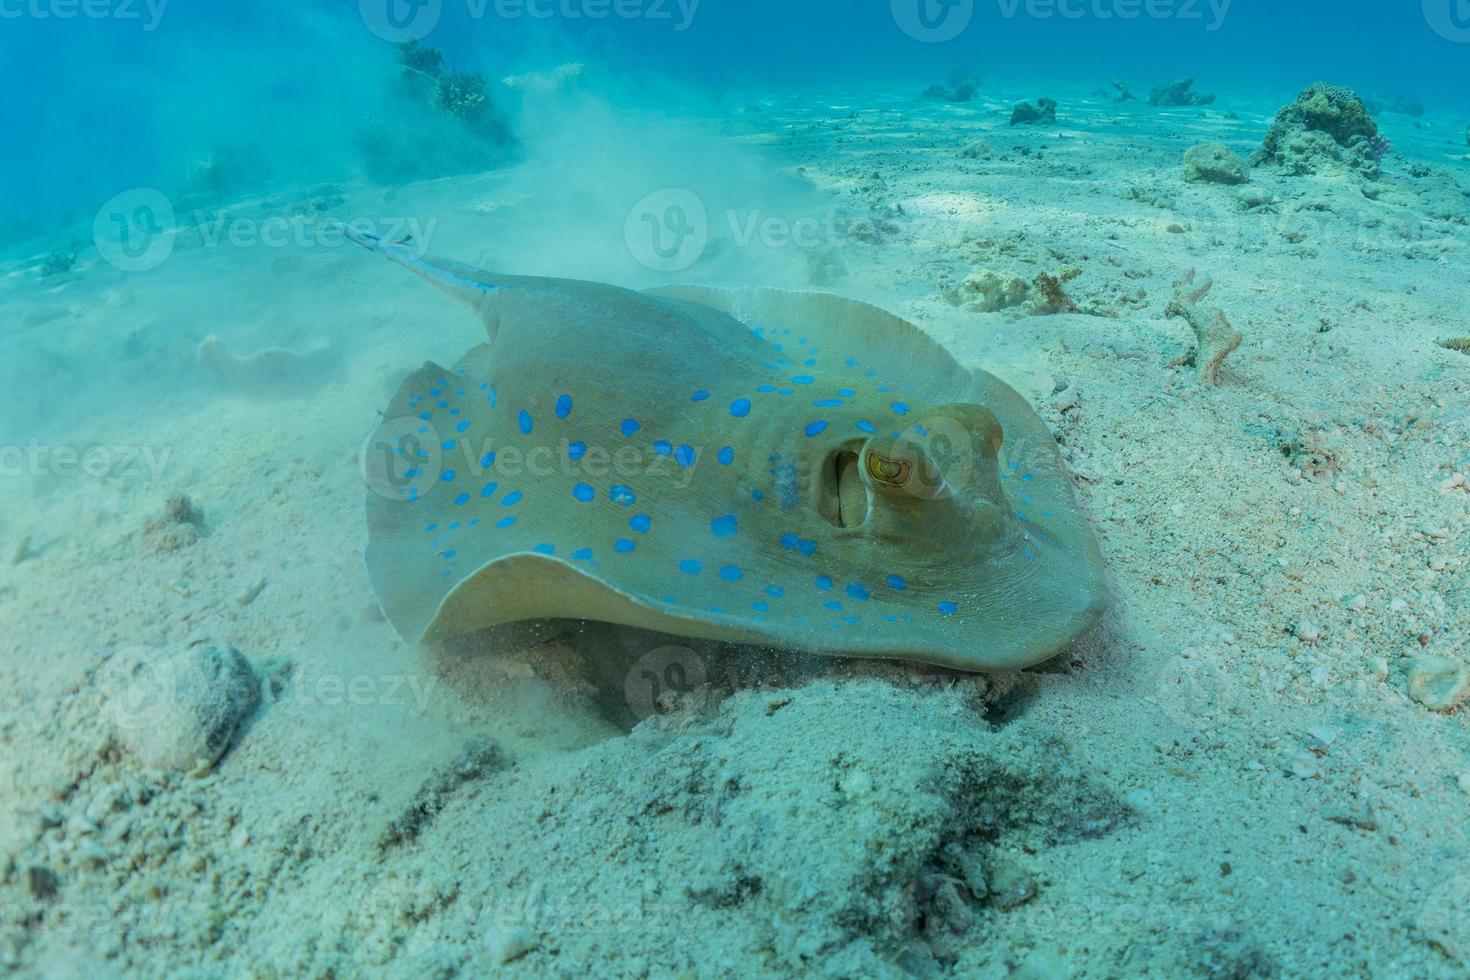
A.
pixel 178 712
pixel 1438 683
pixel 1214 163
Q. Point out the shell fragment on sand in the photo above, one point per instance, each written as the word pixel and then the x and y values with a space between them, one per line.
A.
pixel 745 465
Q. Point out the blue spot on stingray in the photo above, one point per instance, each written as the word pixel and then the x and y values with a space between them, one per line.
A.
pixel 832 604
pixel 947 608
pixel 867 427
pixel 448 476
pixel 787 391
pixel 582 554
pixel 487 461
pixel 851 620
pixel 544 549
pixel 449 444
pixel 490 489
pixel 1029 477
pixel 900 408
pixel 897 583
pixel 684 456
pixel 827 403
pixel 432 528
pixel 629 426
pixel 857 591
pixel 576 450
pixel 512 498
pixel 757 495
pixel 663 447
pixel 803 379
pixel 816 429
pixel 726 456
pixel 760 607
pixel 624 546
pixel 426 415
pixel 724 527
pixel 731 574
pixel 641 523
pixel 766 389
pixel 524 421
pixel 740 407
pixel 584 493
pixel 790 541
pixel 564 406
pixel 505 521
pixel 450 554
pixel 414 473
pixel 462 426
pixel 775 591
pixel 699 396
pixel 443 404
pixel 691 566
pixel 807 548
pixel 811 362
pixel 846 393
pixel 824 583
pixel 622 495
pixel 461 500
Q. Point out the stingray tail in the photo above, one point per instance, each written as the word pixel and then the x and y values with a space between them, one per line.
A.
pixel 465 283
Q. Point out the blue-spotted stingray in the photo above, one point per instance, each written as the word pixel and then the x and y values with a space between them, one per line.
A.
pixel 749 465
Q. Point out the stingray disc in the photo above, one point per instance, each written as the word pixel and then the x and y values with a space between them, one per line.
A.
pixel 750 465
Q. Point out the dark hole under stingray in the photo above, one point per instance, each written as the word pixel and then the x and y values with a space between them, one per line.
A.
pixel 629 675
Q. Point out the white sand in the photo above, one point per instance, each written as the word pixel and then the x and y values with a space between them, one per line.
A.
pixel 1228 779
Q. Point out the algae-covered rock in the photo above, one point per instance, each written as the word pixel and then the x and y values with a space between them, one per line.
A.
pixel 985 291
pixel 1328 126
pixel 1214 163
pixel 1179 93
pixel 1045 110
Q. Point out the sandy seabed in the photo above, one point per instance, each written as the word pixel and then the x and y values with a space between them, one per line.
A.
pixel 1231 777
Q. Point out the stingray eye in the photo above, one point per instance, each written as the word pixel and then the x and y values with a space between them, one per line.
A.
pixel 892 472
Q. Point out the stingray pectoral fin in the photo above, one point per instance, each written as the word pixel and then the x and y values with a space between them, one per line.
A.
pixel 843 328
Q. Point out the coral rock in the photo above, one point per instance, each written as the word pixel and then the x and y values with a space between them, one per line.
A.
pixel 1214 163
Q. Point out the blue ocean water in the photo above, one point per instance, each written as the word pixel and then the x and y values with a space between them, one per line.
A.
pixel 111 94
